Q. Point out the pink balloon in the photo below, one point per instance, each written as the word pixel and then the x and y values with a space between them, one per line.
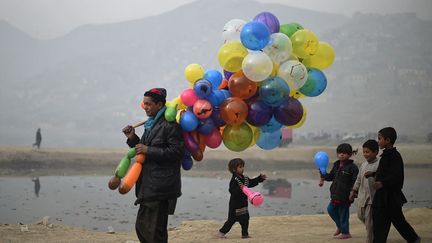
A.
pixel 254 197
pixel 188 97
pixel 214 139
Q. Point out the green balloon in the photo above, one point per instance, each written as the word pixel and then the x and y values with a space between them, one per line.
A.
pixel 170 113
pixel 122 167
pixel 131 153
pixel 237 137
pixel 290 29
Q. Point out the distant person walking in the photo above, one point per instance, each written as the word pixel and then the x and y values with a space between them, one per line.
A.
pixel 38 139
pixel 36 186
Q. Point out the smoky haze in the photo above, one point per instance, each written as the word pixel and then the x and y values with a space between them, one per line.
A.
pixel 81 89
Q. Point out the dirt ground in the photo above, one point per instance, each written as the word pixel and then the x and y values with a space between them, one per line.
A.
pixel 302 228
pixel 293 162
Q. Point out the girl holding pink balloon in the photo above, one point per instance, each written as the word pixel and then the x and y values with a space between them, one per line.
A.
pixel 238 203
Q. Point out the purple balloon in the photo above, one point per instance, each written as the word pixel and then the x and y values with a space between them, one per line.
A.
pixel 269 20
pixel 215 116
pixel 227 74
pixel 259 113
pixel 289 112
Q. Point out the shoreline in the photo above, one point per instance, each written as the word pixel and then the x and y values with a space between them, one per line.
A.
pixel 25 161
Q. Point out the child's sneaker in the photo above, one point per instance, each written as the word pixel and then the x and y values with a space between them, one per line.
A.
pixel 337 232
pixel 343 236
pixel 220 235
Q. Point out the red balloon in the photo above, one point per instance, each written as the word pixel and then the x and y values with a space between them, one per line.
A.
pixel 202 109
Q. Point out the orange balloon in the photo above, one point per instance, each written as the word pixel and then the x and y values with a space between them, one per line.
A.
pixel 139 158
pixel 130 178
pixel 233 111
pixel 240 86
pixel 223 84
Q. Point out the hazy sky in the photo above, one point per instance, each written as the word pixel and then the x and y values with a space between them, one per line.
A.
pixel 52 18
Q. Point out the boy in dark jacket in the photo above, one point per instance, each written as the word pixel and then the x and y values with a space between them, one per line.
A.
pixel 238 203
pixel 389 198
pixel 158 185
pixel 343 174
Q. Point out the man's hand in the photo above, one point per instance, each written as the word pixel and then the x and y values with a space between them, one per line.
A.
pixel 377 185
pixel 129 131
pixel 141 148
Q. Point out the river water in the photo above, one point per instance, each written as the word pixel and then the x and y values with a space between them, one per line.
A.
pixel 86 201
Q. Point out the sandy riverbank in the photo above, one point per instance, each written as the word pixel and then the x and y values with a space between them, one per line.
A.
pixel 286 229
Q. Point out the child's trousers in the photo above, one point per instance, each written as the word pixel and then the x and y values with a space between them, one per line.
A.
pixel 365 215
pixel 340 215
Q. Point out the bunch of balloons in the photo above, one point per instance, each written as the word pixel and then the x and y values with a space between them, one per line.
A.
pixel 266 69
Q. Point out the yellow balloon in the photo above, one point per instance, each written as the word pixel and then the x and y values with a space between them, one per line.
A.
pixel 231 55
pixel 255 134
pixel 305 43
pixel 275 69
pixel 296 94
pixel 193 72
pixel 302 120
pixel 323 58
pixel 179 113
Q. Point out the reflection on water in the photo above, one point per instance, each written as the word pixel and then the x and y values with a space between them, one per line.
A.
pixel 87 201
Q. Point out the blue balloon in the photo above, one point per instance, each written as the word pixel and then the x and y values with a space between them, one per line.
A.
pixel 187 161
pixel 188 121
pixel 315 84
pixel 206 126
pixel 226 93
pixel 216 97
pixel 255 35
pixel 273 91
pixel 321 160
pixel 214 77
pixel 271 126
pixel 202 88
pixel 269 140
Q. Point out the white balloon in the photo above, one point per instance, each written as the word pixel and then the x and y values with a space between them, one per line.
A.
pixel 232 29
pixel 294 73
pixel 257 66
pixel 279 47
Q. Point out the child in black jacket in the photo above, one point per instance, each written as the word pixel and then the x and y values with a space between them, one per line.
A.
pixel 238 203
pixel 389 198
pixel 343 175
